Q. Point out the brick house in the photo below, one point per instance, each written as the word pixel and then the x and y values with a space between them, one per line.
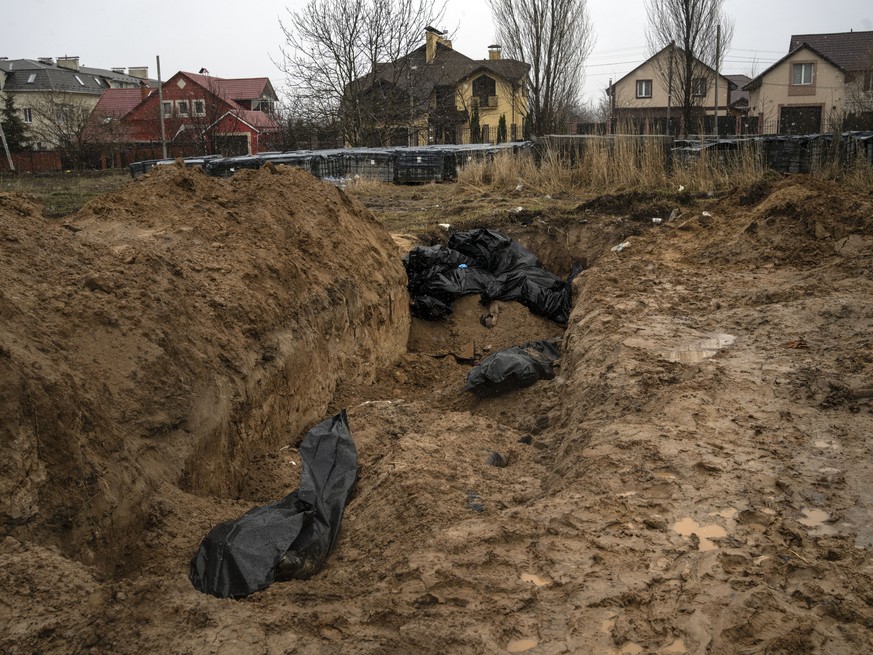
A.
pixel 202 115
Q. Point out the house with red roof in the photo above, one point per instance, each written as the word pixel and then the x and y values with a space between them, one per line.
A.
pixel 201 115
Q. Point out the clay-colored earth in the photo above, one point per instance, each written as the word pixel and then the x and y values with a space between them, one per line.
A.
pixel 696 479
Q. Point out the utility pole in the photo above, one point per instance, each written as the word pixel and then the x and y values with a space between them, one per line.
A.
pixel 670 87
pixel 717 57
pixel 161 109
pixel 6 148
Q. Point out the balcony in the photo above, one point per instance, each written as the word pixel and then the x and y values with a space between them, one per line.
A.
pixel 485 102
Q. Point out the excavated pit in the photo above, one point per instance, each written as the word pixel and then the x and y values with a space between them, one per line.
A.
pixel 645 500
pixel 170 333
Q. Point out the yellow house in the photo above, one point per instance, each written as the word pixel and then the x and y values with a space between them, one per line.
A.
pixel 444 89
pixel 824 80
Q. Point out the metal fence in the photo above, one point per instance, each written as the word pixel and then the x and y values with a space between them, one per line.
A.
pixel 402 165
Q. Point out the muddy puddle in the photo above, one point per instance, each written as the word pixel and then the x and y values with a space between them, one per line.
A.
pixel 696 350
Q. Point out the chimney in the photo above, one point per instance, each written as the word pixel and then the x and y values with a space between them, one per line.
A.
pixel 70 63
pixel 48 61
pixel 432 37
pixel 121 71
pixel 494 52
pixel 141 72
pixel 144 90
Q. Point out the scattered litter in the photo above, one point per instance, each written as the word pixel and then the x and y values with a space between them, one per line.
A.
pixel 519 187
pixel 474 502
pixel 514 368
pixel 462 266
pixel 681 188
pixel 445 226
pixel 292 537
pixel 673 215
pixel 497 459
pixel 547 197
pixel 620 246
pixel 657 221
pixel 797 344
pixel 526 439
pixel 518 210
pixel 467 353
pixel 489 318
pixel 707 214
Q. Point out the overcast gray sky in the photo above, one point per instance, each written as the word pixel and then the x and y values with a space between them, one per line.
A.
pixel 240 39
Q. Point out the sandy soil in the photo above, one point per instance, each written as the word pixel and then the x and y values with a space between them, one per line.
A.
pixel 694 480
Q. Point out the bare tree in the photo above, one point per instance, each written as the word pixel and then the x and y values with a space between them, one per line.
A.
pixel 63 121
pixel 689 27
pixel 350 59
pixel 859 97
pixel 555 38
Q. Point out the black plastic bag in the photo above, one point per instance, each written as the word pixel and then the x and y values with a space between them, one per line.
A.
pixel 488 263
pixel 292 537
pixel 514 368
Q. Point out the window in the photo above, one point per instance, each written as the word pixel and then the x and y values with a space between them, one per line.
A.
pixel 64 114
pixel 97 79
pixel 264 105
pixel 801 74
pixel 698 87
pixel 182 106
pixel 27 114
pixel 168 108
pixel 31 78
pixel 79 80
pixel 199 108
pixel 644 88
pixel 485 89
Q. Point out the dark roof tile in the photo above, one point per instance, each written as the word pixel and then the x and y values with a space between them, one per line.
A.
pixel 853 51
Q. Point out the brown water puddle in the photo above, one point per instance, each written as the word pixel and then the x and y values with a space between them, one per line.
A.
pixel 815 519
pixel 693 352
pixel 521 645
pixel 688 526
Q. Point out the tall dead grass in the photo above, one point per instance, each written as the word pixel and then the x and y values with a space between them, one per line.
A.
pixel 614 164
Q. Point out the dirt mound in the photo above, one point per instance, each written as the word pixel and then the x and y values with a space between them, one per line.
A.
pixel 170 332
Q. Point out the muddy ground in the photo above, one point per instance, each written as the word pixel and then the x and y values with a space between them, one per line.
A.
pixel 694 480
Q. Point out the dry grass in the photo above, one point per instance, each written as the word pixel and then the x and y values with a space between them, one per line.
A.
pixel 64 193
pixel 622 163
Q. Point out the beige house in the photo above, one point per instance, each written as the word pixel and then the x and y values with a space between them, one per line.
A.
pixel 640 101
pixel 824 80
pixel 55 97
